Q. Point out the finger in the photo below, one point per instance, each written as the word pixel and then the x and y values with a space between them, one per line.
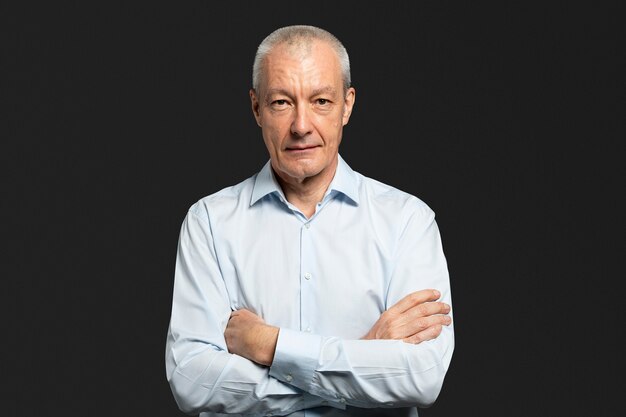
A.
pixel 420 312
pixel 423 323
pixel 427 334
pixel 413 299
pixel 427 309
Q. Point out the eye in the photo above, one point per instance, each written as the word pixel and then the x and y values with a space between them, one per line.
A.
pixel 279 102
pixel 322 101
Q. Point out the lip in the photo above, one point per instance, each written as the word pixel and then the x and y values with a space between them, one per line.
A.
pixel 301 149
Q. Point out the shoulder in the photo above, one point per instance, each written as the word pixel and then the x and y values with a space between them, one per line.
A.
pixel 225 201
pixel 390 200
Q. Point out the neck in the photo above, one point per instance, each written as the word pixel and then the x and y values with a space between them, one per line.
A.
pixel 305 193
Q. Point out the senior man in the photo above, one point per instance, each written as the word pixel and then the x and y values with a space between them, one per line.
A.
pixel 308 289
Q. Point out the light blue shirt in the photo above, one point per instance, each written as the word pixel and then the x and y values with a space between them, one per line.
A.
pixel 324 281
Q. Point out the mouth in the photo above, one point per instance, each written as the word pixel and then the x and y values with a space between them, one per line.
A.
pixel 301 148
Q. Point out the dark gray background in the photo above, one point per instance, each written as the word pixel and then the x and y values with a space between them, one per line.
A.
pixel 508 120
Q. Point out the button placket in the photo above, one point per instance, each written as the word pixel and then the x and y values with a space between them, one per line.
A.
pixel 307 273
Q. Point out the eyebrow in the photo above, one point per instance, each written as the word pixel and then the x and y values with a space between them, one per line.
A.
pixel 322 90
pixel 276 91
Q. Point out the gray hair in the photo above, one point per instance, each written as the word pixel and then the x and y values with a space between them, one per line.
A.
pixel 295 35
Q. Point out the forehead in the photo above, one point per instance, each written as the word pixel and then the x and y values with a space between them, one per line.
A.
pixel 312 63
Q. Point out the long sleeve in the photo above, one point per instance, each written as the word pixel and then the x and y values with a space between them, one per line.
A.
pixel 324 281
pixel 378 373
pixel 202 374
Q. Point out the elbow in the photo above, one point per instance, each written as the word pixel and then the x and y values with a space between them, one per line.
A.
pixel 187 398
pixel 420 391
pixel 428 375
pixel 190 396
pixel 187 375
pixel 186 407
pixel 429 390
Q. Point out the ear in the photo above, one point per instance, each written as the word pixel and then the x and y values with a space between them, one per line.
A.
pixel 348 104
pixel 254 101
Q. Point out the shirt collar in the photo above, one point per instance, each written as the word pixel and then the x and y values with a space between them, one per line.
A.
pixel 265 184
pixel 344 182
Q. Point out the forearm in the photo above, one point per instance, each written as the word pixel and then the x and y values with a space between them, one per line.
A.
pixel 204 377
pixel 364 373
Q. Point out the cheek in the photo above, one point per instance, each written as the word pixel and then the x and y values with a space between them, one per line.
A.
pixel 275 126
pixel 272 137
pixel 336 126
pixel 329 124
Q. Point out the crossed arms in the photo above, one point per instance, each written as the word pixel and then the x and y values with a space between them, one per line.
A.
pixel 226 361
pixel 416 318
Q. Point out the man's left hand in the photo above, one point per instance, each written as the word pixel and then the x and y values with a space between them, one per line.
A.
pixel 249 336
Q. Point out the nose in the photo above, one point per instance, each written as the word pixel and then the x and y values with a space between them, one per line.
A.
pixel 301 124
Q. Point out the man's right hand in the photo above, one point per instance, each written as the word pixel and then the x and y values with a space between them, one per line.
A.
pixel 414 319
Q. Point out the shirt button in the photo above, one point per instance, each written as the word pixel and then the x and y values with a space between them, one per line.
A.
pixel 289 378
pixel 342 400
pixel 307 225
pixel 308 330
pixel 307 275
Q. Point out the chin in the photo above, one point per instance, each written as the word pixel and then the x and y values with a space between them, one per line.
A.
pixel 302 171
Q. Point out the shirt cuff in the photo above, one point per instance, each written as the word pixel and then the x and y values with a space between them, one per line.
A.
pixel 296 361
pixel 295 358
